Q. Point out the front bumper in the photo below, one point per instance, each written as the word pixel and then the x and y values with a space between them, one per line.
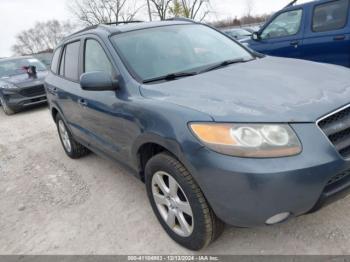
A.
pixel 245 192
pixel 17 99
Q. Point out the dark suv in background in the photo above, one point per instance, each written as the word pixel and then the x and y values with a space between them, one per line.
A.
pixel 21 83
pixel 218 133
pixel 317 31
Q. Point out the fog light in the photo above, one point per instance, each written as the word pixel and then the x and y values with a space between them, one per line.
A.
pixel 277 218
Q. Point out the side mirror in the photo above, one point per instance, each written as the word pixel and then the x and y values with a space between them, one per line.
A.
pixel 256 36
pixel 97 81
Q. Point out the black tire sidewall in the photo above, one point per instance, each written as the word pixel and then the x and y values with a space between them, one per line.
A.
pixel 5 107
pixel 199 237
pixel 59 118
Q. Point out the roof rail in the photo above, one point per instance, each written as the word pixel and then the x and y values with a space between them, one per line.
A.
pixel 123 22
pixel 290 4
pixel 184 19
pixel 83 30
pixel 97 25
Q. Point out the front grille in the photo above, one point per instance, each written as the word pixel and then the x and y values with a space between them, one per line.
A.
pixel 337 128
pixel 33 91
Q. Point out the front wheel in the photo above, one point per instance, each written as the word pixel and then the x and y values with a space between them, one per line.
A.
pixel 8 111
pixel 179 204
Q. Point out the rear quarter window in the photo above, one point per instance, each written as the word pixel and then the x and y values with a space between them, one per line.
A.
pixel 71 61
pixel 330 16
pixel 55 61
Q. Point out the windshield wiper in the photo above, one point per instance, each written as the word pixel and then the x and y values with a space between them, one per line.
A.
pixel 225 63
pixel 170 77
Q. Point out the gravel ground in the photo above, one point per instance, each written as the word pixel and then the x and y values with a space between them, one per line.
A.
pixel 50 204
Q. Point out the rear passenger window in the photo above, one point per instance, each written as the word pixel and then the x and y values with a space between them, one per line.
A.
pixel 330 16
pixel 96 58
pixel 55 60
pixel 71 62
pixel 61 72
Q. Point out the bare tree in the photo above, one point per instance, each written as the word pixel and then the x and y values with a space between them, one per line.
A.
pixel 176 9
pixel 91 12
pixel 149 10
pixel 162 7
pixel 250 8
pixel 42 37
pixel 195 9
pixel 237 22
pixel 131 10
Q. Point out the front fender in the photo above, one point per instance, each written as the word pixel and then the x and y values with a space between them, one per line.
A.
pixel 169 144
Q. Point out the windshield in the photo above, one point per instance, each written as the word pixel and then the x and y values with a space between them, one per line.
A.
pixel 16 66
pixel 160 51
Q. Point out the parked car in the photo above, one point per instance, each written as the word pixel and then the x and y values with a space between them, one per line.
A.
pixel 21 83
pixel 317 31
pixel 237 33
pixel 45 57
pixel 252 29
pixel 176 102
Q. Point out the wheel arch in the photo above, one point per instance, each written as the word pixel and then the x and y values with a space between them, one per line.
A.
pixel 150 145
pixel 54 112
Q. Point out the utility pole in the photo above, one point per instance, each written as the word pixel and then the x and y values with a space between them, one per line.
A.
pixel 149 11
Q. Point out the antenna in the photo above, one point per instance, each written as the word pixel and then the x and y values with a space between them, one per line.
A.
pixel 291 4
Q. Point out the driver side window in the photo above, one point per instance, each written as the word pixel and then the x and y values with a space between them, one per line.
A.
pixel 286 24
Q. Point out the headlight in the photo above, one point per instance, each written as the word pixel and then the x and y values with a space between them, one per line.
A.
pixel 7 85
pixel 248 140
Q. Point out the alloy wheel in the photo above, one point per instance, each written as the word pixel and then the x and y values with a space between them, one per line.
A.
pixel 3 104
pixel 64 136
pixel 172 203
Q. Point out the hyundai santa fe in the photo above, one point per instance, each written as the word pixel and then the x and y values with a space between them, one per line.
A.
pixel 219 134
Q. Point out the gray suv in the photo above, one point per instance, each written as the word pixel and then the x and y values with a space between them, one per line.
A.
pixel 219 134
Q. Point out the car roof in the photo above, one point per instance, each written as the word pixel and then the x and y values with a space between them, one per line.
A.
pixel 310 2
pixel 126 27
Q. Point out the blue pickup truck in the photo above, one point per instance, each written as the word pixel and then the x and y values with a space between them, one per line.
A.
pixel 317 31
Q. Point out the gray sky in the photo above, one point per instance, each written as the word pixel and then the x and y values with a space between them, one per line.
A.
pixel 18 15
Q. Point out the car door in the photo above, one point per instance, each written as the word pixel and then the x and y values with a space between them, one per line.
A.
pixel 283 36
pixel 50 81
pixel 66 89
pixel 328 33
pixel 103 110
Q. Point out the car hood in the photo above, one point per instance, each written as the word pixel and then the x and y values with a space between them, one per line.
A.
pixel 24 80
pixel 265 90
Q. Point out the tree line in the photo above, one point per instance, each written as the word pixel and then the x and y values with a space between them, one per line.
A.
pixel 91 12
pixel 245 20
pixel 44 36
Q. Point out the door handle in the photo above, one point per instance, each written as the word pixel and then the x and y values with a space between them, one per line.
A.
pixel 82 102
pixel 294 43
pixel 339 38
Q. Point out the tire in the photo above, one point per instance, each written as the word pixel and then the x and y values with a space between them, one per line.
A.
pixel 72 148
pixel 203 226
pixel 8 111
